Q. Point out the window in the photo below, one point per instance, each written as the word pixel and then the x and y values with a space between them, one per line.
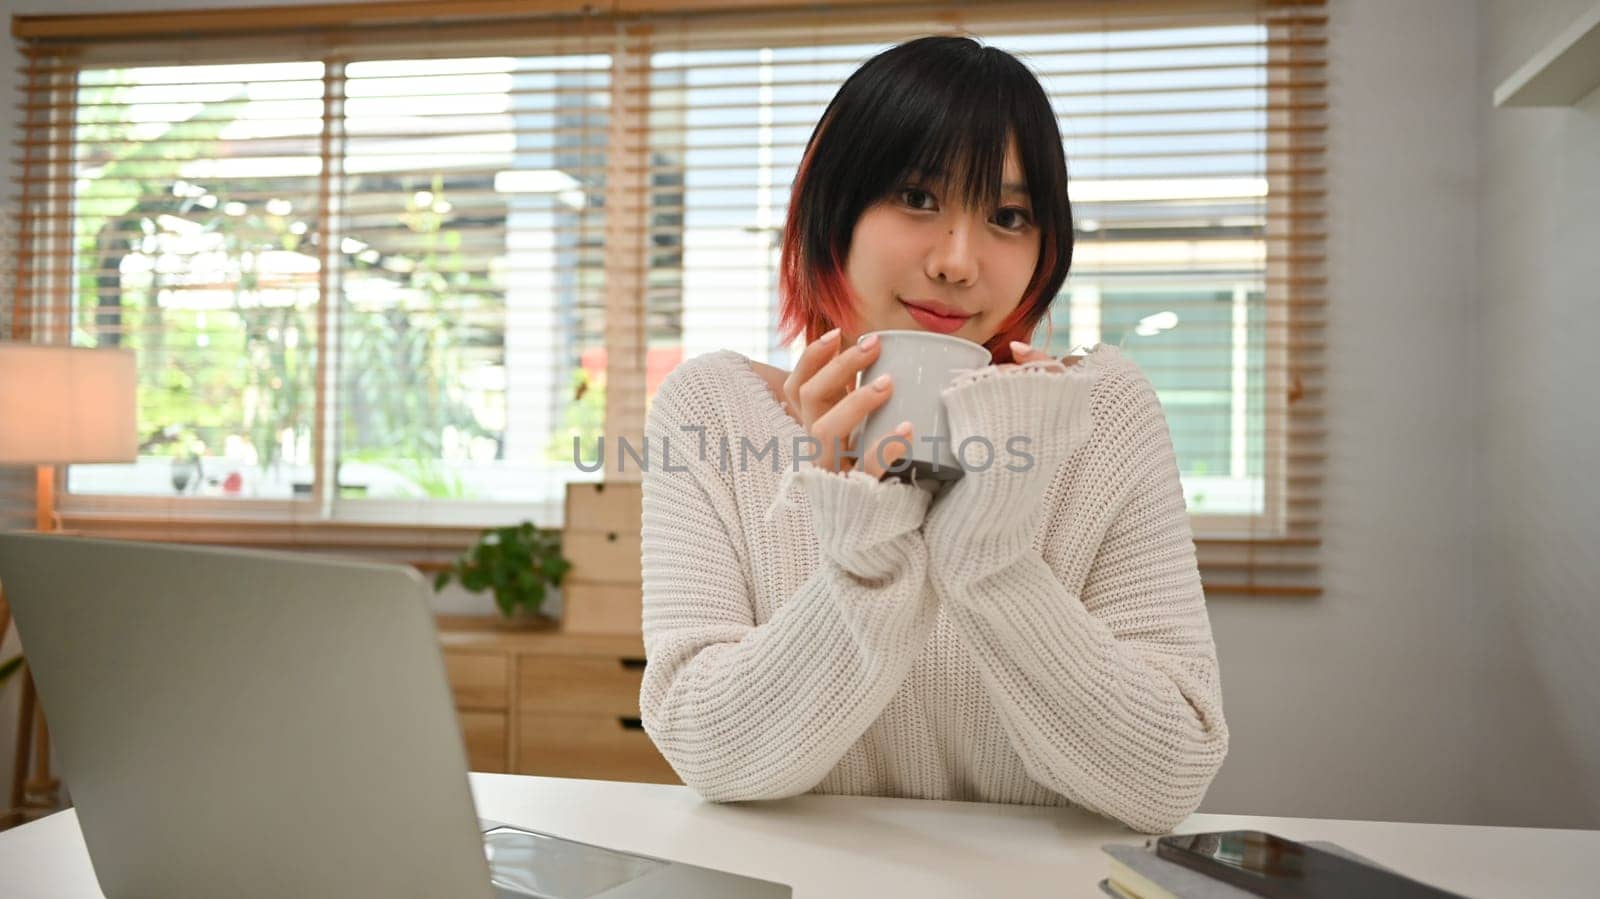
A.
pixel 192 194
pixel 372 286
pixel 1193 146
pixel 389 274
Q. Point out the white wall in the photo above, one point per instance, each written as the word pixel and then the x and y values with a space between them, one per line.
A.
pixel 1539 263
pixel 1447 674
pixel 1364 703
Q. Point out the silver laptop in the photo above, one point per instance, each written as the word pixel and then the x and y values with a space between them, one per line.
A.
pixel 254 724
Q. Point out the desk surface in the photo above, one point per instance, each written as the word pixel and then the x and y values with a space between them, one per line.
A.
pixel 831 846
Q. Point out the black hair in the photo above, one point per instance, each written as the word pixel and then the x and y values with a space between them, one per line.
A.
pixel 942 108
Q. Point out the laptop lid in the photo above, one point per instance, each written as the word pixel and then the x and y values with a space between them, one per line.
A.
pixel 247 724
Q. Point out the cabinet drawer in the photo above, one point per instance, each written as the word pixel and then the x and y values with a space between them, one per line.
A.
pixel 589 746
pixel 604 557
pixel 591 608
pixel 609 506
pixel 579 685
pixel 478 680
pixel 485 736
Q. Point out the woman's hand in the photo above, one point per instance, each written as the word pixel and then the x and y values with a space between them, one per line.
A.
pixel 821 389
pixel 1024 352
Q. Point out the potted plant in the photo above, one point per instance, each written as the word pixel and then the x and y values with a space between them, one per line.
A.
pixel 519 563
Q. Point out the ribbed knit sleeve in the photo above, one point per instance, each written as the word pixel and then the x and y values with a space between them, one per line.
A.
pixel 1112 698
pixel 748 710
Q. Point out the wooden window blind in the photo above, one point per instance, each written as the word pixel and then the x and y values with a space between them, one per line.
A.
pixel 17 507
pixel 535 210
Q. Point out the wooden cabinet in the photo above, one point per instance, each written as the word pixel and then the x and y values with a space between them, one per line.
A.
pixel 485 736
pixel 565 702
pixel 591 746
pixel 602 539
pixel 548 702
pixel 479 679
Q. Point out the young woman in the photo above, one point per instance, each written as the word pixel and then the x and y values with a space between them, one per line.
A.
pixel 1035 636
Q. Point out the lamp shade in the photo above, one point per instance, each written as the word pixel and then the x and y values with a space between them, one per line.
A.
pixel 61 405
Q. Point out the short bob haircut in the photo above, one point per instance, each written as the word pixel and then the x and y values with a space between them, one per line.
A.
pixel 940 107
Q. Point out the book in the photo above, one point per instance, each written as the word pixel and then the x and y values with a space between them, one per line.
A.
pixel 1136 872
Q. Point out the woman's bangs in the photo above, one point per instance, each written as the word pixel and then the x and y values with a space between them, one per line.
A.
pixel 963 149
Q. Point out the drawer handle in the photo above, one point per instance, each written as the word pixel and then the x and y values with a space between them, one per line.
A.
pixel 611 536
pixel 632 664
pixel 631 723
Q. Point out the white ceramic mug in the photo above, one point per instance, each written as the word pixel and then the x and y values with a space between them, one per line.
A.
pixel 921 365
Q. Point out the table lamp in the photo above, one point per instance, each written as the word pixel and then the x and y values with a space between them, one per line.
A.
pixel 58 406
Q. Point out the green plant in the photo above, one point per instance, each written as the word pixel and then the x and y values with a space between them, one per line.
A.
pixel 518 563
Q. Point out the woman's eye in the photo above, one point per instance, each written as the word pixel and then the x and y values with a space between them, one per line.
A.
pixel 1012 219
pixel 916 199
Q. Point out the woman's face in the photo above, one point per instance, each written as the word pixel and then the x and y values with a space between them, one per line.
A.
pixel 919 252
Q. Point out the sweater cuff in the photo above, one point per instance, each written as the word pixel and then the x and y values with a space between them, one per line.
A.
pixel 857 517
pixel 1032 417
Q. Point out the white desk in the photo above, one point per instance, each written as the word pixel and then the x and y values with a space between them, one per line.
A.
pixel 829 846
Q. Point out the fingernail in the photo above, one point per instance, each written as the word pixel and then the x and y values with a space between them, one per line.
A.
pixel 867 340
pixel 1018 347
pixel 881 382
pixel 828 336
pixel 903 427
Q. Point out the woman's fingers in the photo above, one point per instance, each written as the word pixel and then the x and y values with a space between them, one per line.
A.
pixel 833 381
pixel 838 377
pixel 1024 352
pixel 889 449
pixel 838 423
pixel 816 354
pixel 822 389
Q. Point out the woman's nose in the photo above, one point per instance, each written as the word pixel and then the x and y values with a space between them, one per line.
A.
pixel 952 257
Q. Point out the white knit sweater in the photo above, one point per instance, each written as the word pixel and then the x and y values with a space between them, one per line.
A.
pixel 1033 636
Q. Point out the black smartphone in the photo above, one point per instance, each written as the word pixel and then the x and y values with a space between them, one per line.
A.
pixel 1269 865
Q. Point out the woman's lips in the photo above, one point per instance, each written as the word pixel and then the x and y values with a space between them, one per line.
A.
pixel 934 321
